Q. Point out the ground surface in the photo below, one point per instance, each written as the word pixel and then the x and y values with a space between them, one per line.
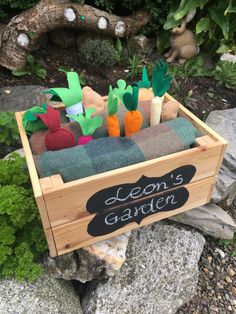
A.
pixel 217 283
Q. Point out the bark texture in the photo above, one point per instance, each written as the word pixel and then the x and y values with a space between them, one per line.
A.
pixel 24 30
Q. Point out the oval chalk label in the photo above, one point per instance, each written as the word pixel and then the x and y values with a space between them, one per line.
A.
pixel 145 187
pixel 111 220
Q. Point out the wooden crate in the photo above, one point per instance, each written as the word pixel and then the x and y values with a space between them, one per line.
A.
pixel 151 191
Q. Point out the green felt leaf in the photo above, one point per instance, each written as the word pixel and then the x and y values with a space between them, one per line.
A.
pixel 145 83
pixel 121 89
pixel 32 123
pixel 69 96
pixel 112 102
pixel 29 115
pixel 88 125
pixel 160 79
pixel 130 100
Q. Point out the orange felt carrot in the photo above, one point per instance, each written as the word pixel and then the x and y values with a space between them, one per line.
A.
pixel 133 118
pixel 113 124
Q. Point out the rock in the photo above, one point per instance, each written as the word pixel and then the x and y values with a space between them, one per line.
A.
pixel 101 259
pixel 2 27
pixel 21 97
pixel 210 219
pixel 19 151
pixel 141 43
pixel 223 122
pixel 159 275
pixel 64 38
pixel 228 57
pixel 46 295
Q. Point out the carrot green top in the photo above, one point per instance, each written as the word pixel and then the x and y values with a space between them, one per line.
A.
pixel 144 83
pixel 130 100
pixel 121 89
pixel 160 79
pixel 88 125
pixel 112 102
pixel 69 96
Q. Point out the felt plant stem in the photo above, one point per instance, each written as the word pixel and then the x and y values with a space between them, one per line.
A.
pixel 160 84
pixel 88 125
pixel 71 97
pixel 113 124
pixel 133 118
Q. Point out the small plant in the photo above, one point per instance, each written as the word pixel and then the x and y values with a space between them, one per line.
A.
pixel 97 53
pixel 225 74
pixel 119 50
pixel 183 90
pixel 22 239
pixel 135 66
pixel 32 68
pixel 8 128
pixel 193 67
pixel 226 243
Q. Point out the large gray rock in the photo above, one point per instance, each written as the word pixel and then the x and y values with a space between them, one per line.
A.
pixel 223 122
pixel 95 261
pixel 19 98
pixel 159 275
pixel 211 219
pixel 46 295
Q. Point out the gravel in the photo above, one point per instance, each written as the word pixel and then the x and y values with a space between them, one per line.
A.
pixel 216 292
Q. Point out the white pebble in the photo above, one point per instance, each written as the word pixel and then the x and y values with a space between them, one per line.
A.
pixel 222 254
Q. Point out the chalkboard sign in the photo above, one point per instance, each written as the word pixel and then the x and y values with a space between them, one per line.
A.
pixel 120 205
pixel 112 220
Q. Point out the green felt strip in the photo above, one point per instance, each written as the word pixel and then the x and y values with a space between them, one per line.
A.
pixel 69 96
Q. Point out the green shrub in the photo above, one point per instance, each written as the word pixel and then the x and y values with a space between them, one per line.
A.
pixel 215 22
pixel 225 74
pixel 97 52
pixel 8 128
pixel 22 239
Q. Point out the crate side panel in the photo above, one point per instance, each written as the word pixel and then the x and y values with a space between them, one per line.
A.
pixel 74 235
pixel 65 205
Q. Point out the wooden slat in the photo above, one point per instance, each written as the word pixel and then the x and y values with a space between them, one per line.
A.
pixel 67 202
pixel 36 186
pixel 74 235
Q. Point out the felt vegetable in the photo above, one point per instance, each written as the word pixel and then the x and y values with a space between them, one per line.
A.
pixel 57 137
pixel 71 97
pixel 113 124
pixel 160 84
pixel 88 125
pixel 30 122
pixel 145 92
pixel 133 118
pixel 121 89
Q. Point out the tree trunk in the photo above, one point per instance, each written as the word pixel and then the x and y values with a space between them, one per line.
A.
pixel 23 31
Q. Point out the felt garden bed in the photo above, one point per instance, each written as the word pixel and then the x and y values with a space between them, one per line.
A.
pixel 100 206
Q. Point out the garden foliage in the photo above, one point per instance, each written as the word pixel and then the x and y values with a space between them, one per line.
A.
pixel 214 23
pixel 8 128
pixel 21 235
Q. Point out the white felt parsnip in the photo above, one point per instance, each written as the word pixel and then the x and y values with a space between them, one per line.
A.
pixel 160 84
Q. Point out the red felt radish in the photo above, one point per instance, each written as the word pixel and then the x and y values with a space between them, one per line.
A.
pixel 57 138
